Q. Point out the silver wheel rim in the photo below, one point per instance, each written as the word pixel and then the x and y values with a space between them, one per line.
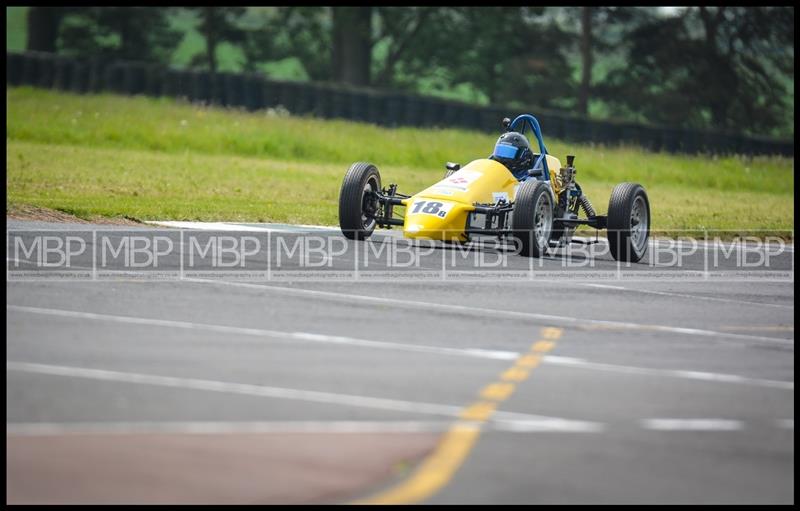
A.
pixel 366 221
pixel 543 220
pixel 639 223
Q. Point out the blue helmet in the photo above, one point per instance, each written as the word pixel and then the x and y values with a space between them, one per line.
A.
pixel 513 150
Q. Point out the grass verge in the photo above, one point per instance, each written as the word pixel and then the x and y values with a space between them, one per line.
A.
pixel 161 159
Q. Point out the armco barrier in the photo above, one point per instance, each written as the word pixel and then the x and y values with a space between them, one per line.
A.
pixel 390 108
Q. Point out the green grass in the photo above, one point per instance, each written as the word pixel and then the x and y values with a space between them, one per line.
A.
pixel 161 159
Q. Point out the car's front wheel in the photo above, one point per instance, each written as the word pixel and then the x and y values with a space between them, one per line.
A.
pixel 358 205
pixel 532 222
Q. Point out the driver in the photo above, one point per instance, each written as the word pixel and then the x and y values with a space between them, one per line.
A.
pixel 514 151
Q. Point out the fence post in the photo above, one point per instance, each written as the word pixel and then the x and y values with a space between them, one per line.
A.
pixel 252 92
pixel 63 70
pixel 358 105
pixel 46 64
pixel 304 99
pixel 79 78
pixel 269 93
pixel 30 70
pixel 15 62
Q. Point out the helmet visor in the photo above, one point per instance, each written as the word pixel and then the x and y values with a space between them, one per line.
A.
pixel 505 151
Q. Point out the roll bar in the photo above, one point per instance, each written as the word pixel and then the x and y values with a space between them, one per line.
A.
pixel 529 120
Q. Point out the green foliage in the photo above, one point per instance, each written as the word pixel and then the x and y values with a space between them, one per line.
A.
pixel 695 67
pixel 16 31
pixel 129 33
pixel 217 25
pixel 299 32
pixel 718 67
pixel 161 159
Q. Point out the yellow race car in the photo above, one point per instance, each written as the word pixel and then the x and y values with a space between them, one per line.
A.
pixel 516 194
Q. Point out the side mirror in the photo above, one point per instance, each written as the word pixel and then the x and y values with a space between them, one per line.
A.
pixel 506 123
pixel 452 166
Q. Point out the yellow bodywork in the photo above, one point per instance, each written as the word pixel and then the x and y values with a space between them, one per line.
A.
pixel 440 211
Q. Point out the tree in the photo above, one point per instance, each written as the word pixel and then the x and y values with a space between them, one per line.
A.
pixel 510 54
pixel 351 51
pixel 402 28
pixel 331 43
pixel 43 24
pixel 586 60
pixel 217 25
pixel 722 67
pixel 134 33
pixel 296 31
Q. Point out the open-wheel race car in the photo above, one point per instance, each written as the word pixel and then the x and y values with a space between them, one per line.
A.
pixel 514 194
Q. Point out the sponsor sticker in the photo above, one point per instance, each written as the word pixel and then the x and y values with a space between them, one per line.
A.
pixel 463 178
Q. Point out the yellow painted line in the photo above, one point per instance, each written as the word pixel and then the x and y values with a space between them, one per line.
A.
pixel 479 411
pixel 497 391
pixel 530 361
pixel 543 346
pixel 515 374
pixel 436 471
pixel 552 333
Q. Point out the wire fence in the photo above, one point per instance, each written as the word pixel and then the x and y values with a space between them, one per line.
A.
pixel 253 91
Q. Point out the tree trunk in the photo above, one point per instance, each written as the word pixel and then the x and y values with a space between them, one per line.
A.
pixel 586 60
pixel 211 38
pixel 43 23
pixel 352 45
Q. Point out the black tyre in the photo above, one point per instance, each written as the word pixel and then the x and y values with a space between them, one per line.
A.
pixel 628 222
pixel 532 223
pixel 357 205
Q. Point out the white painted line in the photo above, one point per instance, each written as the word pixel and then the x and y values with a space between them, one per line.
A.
pixel 549 425
pixel 441 350
pixel 700 244
pixel 127 428
pixel 324 227
pixel 277 227
pixel 33 429
pixel 274 334
pixel 396 405
pixel 498 313
pixel 334 426
pixel 674 373
pixel 18 261
pixel 212 226
pixel 235 227
pixel 71 267
pixel 683 295
pixel 691 424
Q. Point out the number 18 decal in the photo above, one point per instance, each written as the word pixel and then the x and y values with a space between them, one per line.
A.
pixel 430 207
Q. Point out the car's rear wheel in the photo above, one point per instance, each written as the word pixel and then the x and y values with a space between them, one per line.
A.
pixel 532 222
pixel 628 222
pixel 358 205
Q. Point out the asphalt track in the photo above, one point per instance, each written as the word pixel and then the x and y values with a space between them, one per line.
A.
pixel 649 384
